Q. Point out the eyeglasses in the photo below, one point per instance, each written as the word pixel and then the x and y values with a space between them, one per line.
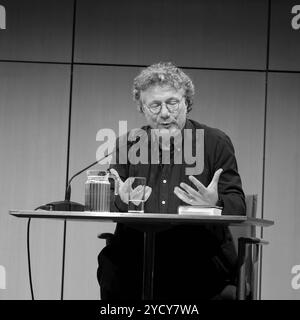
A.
pixel 172 105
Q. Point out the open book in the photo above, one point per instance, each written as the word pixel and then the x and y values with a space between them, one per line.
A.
pixel 200 210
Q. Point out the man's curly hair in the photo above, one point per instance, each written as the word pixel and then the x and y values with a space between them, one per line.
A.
pixel 163 73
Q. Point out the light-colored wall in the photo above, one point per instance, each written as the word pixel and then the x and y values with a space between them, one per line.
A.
pixel 224 52
pixel 33 139
pixel 282 186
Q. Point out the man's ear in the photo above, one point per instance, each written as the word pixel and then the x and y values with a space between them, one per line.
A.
pixel 188 108
pixel 140 108
pixel 186 105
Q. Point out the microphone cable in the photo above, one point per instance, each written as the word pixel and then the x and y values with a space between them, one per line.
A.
pixel 28 258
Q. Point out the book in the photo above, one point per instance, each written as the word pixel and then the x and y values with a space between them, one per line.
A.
pixel 200 210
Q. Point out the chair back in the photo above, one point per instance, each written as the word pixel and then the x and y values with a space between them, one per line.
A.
pixel 251 208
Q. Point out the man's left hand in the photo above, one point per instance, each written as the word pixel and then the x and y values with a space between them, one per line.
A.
pixel 203 195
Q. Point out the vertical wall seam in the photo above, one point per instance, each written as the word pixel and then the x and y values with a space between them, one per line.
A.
pixel 265 134
pixel 68 143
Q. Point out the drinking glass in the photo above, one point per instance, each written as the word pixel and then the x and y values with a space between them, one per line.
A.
pixel 136 198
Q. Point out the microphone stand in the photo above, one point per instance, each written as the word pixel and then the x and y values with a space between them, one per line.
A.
pixel 66 204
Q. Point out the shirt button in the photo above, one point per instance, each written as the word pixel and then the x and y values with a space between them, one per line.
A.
pixel 163 202
pixel 164 181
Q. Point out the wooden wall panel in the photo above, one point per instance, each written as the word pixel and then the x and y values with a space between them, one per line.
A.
pixel 234 103
pixel 282 189
pixel 37 30
pixel 33 139
pixel 190 33
pixel 284 39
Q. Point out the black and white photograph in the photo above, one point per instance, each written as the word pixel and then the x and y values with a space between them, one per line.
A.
pixel 149 152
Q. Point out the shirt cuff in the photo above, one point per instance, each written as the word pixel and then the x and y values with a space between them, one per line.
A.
pixel 220 202
pixel 120 205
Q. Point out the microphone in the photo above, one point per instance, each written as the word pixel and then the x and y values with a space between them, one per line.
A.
pixel 67 205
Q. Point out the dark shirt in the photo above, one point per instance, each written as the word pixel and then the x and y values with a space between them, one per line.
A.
pixel 209 243
pixel 162 178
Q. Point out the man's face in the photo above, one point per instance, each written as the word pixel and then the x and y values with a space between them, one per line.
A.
pixel 172 114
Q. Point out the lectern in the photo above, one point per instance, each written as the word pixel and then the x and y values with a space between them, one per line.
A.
pixel 149 223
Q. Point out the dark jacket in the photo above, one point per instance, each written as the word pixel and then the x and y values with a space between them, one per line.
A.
pixel 187 248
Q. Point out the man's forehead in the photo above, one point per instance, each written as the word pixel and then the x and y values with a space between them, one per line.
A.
pixel 157 91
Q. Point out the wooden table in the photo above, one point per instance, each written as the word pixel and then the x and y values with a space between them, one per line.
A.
pixel 149 223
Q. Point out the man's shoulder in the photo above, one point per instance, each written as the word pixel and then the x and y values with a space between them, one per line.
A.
pixel 209 132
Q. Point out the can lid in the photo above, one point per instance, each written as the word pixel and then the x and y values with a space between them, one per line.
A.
pixel 96 173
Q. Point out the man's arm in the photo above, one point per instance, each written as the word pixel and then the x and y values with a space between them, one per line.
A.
pixel 122 172
pixel 230 190
pixel 225 188
pixel 116 204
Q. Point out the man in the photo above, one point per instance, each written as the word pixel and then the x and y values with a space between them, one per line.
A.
pixel 190 261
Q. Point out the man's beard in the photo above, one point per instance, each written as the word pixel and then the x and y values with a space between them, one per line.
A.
pixel 167 138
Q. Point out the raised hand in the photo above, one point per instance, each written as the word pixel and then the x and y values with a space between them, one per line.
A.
pixel 125 188
pixel 202 195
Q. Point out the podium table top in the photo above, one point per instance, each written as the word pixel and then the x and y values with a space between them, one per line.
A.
pixel 143 218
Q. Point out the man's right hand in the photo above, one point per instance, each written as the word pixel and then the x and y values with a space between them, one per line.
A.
pixel 125 187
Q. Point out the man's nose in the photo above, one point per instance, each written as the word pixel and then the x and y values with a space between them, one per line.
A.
pixel 164 112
